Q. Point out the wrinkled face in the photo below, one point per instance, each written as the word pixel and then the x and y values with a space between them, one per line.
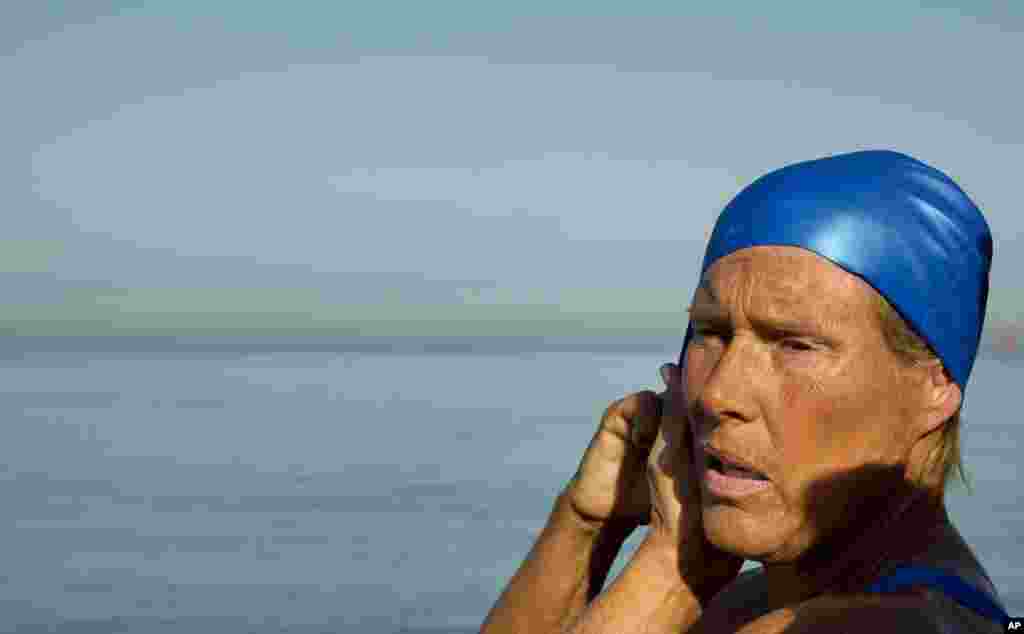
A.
pixel 788 375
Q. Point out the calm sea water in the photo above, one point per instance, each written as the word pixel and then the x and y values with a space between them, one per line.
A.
pixel 236 490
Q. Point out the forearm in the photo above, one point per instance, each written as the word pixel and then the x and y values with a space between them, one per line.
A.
pixel 564 570
pixel 649 596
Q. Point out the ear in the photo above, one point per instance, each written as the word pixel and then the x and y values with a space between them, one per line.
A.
pixel 942 396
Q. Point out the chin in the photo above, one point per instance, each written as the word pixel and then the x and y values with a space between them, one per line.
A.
pixel 742 533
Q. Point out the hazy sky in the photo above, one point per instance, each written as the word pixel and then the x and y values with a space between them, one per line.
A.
pixel 457 166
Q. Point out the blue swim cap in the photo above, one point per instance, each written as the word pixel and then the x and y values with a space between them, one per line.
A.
pixel 902 226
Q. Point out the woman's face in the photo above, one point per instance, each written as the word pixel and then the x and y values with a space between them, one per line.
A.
pixel 789 375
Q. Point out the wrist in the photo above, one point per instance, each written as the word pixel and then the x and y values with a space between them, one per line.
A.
pixel 661 551
pixel 658 596
pixel 599 542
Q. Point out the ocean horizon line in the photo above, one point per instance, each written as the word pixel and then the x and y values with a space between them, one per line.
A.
pixel 366 344
pixel 133 343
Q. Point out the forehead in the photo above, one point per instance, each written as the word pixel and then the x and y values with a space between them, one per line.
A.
pixel 786 281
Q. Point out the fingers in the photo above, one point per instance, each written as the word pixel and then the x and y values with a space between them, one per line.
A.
pixel 662 457
pixel 637 417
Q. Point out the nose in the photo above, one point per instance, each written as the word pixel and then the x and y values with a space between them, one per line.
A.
pixel 728 391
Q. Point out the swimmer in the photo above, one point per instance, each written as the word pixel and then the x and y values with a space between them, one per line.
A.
pixel 811 424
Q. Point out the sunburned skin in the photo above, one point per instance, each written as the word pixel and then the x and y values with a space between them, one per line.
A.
pixel 791 432
pixel 807 392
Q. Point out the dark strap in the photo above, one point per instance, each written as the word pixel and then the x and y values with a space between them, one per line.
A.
pixel 956 588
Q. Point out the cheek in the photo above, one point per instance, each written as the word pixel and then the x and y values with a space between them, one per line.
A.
pixel 804 409
pixel 826 426
pixel 700 361
pixel 806 431
pixel 694 371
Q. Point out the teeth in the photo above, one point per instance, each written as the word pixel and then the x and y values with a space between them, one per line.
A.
pixel 726 468
pixel 741 473
pixel 731 470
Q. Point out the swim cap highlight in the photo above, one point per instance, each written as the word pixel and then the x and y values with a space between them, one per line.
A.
pixel 902 226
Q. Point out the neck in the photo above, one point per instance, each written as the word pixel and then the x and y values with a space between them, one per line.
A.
pixel 852 556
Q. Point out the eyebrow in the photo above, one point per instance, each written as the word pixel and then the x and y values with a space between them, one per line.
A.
pixel 705 285
pixel 712 313
pixel 707 311
pixel 703 312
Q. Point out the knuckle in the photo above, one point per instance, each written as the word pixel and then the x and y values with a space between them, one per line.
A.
pixel 615 407
pixel 643 407
pixel 612 412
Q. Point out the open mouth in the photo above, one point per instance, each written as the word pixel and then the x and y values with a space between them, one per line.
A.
pixel 726 468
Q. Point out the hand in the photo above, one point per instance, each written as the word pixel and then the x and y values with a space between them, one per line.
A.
pixel 675 491
pixel 610 485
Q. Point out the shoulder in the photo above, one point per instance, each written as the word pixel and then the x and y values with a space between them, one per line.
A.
pixel 879 613
pixel 830 613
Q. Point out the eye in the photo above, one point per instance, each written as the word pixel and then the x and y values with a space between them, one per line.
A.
pixel 711 333
pixel 797 345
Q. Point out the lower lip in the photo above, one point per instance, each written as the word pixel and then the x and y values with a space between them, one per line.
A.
pixel 726 486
